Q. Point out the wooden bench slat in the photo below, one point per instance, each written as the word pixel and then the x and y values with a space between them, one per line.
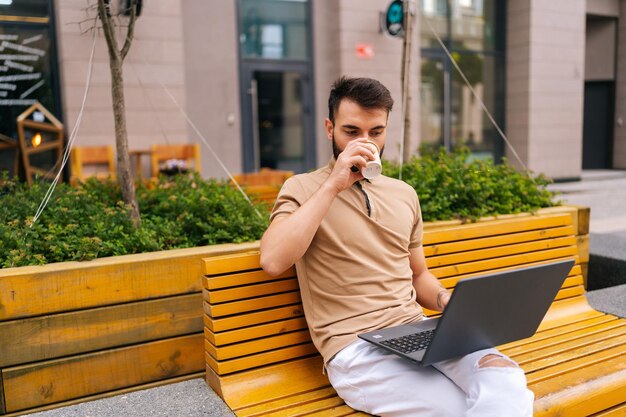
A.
pixel 53 381
pixel 272 382
pixel 584 391
pixel 322 406
pixel 229 263
pixel 256 346
pixel 568 311
pixel 255 332
pixel 587 357
pixel 451 282
pixel 565 345
pixel 254 304
pixel 583 351
pixel 494 228
pixel 287 402
pixel 250 291
pixel 56 335
pixel 337 411
pixel 259 359
pixel 493 241
pixel 505 261
pixel 524 344
pixel 244 278
pixel 250 319
pixel 500 251
pixel 618 411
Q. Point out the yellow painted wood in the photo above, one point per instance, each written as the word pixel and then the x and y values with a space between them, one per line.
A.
pixel 618 411
pixel 450 282
pixel 570 292
pixel 227 264
pixel 244 278
pixel 249 319
pixel 323 407
pixel 255 332
pixel 584 216
pixel 65 334
pixel 256 346
pixel 336 411
pixel 567 311
pixel 237 307
pixel 504 261
pixel 38 290
pixel 500 251
pixel 287 402
pixel 42 383
pixel 582 242
pixel 250 291
pixel 580 359
pixel 544 336
pixel 494 241
pixel 563 344
pixel 582 392
pixel 108 394
pixel 494 228
pixel 273 382
pixel 278 355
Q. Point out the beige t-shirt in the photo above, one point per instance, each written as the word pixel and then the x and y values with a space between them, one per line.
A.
pixel 355 276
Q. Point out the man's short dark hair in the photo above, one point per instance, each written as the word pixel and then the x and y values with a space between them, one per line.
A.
pixel 366 92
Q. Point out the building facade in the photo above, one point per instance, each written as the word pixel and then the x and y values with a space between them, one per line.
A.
pixel 250 78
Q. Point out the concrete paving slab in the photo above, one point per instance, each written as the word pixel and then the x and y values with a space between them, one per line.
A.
pixel 191 398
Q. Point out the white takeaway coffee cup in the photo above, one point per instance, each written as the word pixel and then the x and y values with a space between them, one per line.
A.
pixel 373 168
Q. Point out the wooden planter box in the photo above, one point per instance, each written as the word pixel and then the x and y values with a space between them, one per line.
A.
pixel 75 331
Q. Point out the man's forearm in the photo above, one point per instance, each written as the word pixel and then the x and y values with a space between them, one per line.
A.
pixel 287 240
pixel 429 291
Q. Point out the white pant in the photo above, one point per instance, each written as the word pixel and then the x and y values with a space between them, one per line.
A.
pixel 375 381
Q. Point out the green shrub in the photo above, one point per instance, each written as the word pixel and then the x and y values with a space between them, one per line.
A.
pixel 90 221
pixel 453 185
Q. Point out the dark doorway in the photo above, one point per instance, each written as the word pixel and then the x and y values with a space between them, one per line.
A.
pixel 598 124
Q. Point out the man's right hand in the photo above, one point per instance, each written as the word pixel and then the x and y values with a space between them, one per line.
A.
pixel 356 154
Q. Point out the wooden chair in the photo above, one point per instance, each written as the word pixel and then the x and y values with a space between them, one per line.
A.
pixel 190 153
pixel 94 158
pixel 261 361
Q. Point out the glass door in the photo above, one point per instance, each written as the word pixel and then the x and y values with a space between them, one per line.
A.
pixel 277 124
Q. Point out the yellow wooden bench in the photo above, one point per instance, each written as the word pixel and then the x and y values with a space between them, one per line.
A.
pixel 261 361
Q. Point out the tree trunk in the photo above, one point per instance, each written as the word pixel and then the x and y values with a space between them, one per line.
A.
pixel 116 59
pixel 124 174
pixel 407 50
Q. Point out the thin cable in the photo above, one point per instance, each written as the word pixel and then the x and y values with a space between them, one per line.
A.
pixel 206 143
pixel 72 138
pixel 493 121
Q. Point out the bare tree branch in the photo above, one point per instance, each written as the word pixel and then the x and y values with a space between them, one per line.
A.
pixel 131 29
pixel 108 30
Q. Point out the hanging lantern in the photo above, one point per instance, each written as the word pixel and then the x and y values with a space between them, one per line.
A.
pixel 41 142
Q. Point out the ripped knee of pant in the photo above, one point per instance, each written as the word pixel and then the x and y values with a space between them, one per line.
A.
pixel 496 361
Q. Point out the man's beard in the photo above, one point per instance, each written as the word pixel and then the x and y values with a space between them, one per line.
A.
pixel 337 151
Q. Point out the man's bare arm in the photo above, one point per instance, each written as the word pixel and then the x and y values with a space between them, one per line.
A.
pixel 430 293
pixel 287 238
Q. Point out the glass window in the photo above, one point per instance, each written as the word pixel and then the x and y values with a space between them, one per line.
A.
pixel 30 8
pixel 433 14
pixel 273 29
pixel 470 124
pixel 473 24
pixel 431 102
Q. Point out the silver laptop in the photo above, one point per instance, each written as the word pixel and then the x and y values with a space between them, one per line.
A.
pixel 484 312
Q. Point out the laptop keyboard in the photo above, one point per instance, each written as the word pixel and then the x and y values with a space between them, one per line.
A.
pixel 410 343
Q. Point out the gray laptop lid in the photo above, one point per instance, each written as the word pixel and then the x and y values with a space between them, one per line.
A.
pixel 490 310
pixel 484 311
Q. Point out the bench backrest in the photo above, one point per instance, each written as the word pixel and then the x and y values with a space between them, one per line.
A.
pixel 252 319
